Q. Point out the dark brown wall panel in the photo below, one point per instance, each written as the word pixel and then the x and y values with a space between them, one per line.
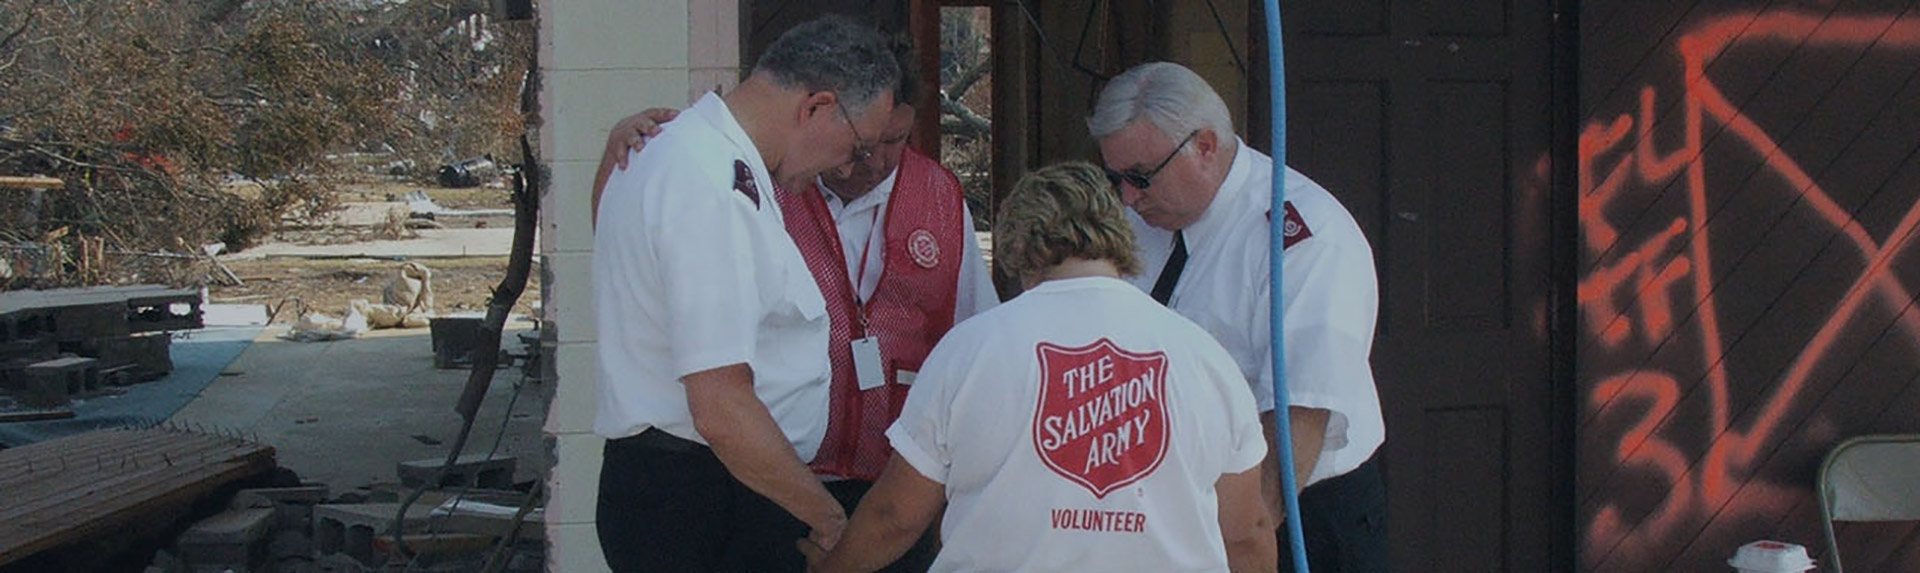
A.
pixel 1748 178
pixel 1338 17
pixel 1466 260
pixel 1342 144
pixel 1470 19
pixel 1467 441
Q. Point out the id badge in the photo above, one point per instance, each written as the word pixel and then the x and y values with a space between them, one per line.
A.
pixel 867 364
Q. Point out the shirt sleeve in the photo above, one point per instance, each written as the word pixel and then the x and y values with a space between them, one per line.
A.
pixel 920 434
pixel 1331 306
pixel 707 254
pixel 1247 440
pixel 975 293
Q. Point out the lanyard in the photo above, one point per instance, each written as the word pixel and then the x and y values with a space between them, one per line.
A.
pixel 860 306
pixel 865 249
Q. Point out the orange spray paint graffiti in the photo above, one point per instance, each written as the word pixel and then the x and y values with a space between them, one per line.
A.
pixel 1636 291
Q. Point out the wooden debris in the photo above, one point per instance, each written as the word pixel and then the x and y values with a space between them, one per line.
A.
pixel 35 416
pixel 31 183
pixel 435 543
pixel 69 490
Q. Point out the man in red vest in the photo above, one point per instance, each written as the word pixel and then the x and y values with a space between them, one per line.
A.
pixel 891 243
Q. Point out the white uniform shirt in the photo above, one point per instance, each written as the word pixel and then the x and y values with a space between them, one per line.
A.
pixel 980 421
pixel 857 219
pixel 1332 298
pixel 690 274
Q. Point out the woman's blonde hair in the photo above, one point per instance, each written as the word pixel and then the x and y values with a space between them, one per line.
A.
pixel 1062 211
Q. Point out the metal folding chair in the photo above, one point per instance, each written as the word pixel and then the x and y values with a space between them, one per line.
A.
pixel 1869 478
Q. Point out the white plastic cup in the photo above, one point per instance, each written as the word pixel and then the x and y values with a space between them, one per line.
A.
pixel 1771 557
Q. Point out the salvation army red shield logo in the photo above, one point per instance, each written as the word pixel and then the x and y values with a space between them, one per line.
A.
pixel 1101 418
pixel 924 249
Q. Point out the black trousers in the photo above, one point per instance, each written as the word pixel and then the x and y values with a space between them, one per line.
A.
pixel 918 558
pixel 1345 523
pixel 667 504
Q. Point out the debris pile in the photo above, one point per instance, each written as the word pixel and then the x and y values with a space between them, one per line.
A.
pixel 181 501
pixel 407 302
pixel 82 502
pixel 61 344
pixel 461 526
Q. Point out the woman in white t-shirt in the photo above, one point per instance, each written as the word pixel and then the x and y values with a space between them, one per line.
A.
pixel 1080 426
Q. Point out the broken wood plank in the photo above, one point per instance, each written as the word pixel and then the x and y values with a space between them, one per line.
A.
pixel 109 471
pixel 435 544
pixel 57 497
pixel 36 416
pixel 10 182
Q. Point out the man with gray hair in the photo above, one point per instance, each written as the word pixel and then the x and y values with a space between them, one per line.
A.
pixel 712 383
pixel 1201 207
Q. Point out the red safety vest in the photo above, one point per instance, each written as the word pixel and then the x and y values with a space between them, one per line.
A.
pixel 910 310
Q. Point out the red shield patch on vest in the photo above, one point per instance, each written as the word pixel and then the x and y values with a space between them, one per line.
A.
pixel 924 248
pixel 1101 420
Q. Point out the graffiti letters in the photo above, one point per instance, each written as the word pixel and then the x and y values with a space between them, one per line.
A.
pixel 1650 287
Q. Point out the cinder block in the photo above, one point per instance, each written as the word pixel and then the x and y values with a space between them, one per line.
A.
pixel 471 470
pixel 26 324
pixel 181 312
pixel 494 518
pixel 234 539
pixel 292 506
pixel 350 528
pixel 36 349
pixel 89 321
pixel 454 338
pixel 13 380
pixel 149 354
pixel 49 383
pixel 79 374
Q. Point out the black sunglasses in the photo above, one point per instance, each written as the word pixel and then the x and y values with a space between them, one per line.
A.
pixel 860 150
pixel 1140 180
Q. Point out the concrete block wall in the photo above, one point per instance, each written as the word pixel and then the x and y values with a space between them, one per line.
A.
pixel 603 60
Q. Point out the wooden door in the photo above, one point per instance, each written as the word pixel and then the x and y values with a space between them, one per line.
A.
pixel 1432 121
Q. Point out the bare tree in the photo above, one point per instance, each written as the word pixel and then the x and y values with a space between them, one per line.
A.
pixel 153 110
pixel 965 128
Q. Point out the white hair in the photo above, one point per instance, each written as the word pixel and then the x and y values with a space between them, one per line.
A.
pixel 1171 96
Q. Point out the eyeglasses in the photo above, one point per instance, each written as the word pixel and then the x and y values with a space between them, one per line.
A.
pixel 1140 180
pixel 860 150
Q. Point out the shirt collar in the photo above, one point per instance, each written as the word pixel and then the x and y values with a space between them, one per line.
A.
pixel 1228 201
pixel 1084 283
pixel 874 197
pixel 713 109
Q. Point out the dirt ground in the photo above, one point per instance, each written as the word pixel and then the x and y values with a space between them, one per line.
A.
pixel 326 285
pixel 462 284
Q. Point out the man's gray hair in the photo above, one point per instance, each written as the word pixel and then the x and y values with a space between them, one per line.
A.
pixel 1171 96
pixel 835 54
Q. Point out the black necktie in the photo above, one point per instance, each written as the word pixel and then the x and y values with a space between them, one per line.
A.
pixel 1170 275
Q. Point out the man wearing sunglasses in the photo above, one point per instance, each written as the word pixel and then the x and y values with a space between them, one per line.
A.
pixel 889 239
pixel 1201 209
pixel 713 391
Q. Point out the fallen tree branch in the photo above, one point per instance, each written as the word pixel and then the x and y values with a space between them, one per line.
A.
pixel 957 120
pixel 24 24
pixel 967 77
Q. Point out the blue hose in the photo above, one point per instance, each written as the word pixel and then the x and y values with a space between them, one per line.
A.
pixel 1282 423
